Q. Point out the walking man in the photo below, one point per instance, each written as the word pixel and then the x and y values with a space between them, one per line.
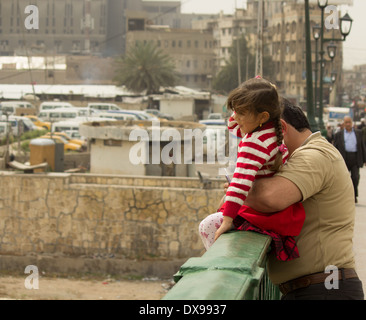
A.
pixel 350 144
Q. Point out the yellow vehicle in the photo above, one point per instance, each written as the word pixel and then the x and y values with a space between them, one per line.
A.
pixel 39 123
pixel 68 146
pixel 67 137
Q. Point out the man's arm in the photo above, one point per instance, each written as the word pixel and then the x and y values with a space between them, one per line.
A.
pixel 273 194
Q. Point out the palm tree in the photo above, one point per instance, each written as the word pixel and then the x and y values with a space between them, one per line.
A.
pixel 145 67
pixel 227 78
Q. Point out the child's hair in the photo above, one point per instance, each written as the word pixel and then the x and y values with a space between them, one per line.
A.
pixel 258 95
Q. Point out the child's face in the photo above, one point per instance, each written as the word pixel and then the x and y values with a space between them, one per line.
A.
pixel 247 121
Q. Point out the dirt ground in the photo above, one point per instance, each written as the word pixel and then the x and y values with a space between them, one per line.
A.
pixel 53 288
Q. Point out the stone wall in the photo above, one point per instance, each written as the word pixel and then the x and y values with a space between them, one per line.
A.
pixel 119 217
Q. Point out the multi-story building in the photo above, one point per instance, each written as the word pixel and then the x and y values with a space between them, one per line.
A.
pixel 63 27
pixel 286 42
pixel 191 51
pixel 108 27
pixel 95 27
pixel 225 30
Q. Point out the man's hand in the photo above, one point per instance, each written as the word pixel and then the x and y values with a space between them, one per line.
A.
pixel 227 224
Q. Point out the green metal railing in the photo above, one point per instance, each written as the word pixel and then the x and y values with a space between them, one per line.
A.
pixel 232 269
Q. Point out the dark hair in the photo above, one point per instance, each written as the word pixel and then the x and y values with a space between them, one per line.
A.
pixel 255 95
pixel 259 95
pixel 294 115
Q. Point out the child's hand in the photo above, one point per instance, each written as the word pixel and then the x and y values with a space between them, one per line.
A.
pixel 225 226
pixel 226 186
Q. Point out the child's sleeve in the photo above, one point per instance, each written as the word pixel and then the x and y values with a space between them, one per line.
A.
pixel 252 155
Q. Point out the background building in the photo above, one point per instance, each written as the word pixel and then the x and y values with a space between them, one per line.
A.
pixel 199 44
pixel 191 51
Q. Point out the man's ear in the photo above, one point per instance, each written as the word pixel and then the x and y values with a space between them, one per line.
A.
pixel 284 126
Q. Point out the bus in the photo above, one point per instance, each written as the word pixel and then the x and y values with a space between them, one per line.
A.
pixel 336 115
pixel 17 108
pixel 50 105
pixel 61 114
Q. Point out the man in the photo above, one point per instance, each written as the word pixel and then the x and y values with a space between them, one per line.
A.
pixel 316 175
pixel 350 144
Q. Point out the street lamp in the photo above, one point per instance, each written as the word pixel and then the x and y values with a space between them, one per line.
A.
pixel 345 29
pixel 332 50
pixel 333 76
pixel 346 25
pixel 322 4
pixel 316 34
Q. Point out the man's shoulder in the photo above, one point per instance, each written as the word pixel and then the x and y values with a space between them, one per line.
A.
pixel 358 131
pixel 338 133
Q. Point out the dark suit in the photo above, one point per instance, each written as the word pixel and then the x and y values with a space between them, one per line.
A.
pixel 354 160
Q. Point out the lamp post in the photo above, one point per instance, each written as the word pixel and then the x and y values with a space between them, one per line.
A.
pixel 309 77
pixel 321 4
pixel 316 36
pixel 345 29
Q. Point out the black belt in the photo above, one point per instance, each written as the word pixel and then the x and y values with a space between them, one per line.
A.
pixel 315 278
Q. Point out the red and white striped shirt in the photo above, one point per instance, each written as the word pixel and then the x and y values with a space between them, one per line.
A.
pixel 256 154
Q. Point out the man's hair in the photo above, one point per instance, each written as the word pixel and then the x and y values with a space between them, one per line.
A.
pixel 294 116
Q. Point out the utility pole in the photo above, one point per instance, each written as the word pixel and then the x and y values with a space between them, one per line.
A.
pixel 309 72
pixel 237 32
pixel 259 53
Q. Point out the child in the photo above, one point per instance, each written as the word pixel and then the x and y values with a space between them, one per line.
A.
pixel 256 118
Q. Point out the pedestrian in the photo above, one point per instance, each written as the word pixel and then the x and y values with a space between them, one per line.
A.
pixel 316 175
pixel 361 125
pixel 261 153
pixel 350 144
pixel 330 134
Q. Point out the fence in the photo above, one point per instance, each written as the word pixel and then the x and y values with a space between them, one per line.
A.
pixel 232 269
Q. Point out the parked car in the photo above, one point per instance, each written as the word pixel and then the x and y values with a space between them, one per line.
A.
pixel 11 107
pixel 141 115
pixel 117 116
pixel 75 134
pixel 68 146
pixel 50 105
pixel 19 124
pixel 215 116
pixel 159 114
pixel 102 106
pixel 61 114
pixel 67 137
pixel 39 123
pixel 4 128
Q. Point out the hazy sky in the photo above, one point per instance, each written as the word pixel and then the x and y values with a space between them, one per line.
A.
pixel 354 47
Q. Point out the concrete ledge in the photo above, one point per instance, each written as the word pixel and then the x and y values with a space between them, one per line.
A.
pixel 48 265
